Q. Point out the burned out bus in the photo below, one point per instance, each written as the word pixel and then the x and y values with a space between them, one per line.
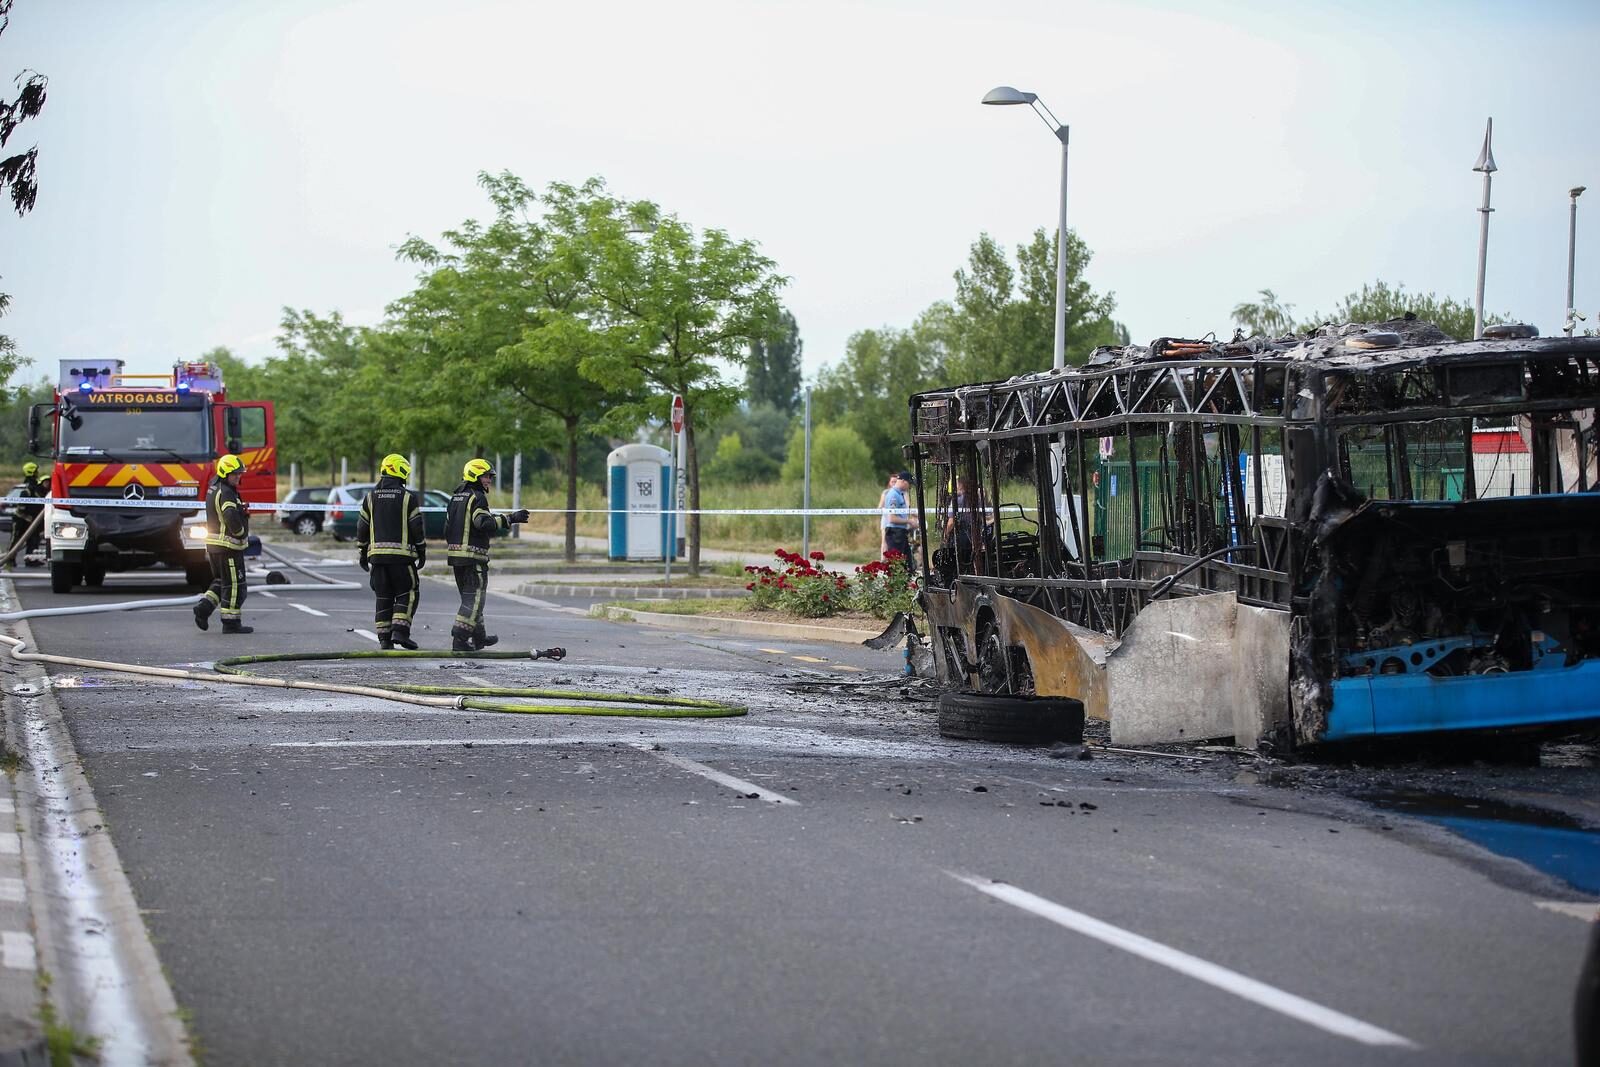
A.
pixel 1369 530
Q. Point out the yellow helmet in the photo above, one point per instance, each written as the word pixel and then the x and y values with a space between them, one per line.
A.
pixel 475 469
pixel 228 464
pixel 29 469
pixel 395 466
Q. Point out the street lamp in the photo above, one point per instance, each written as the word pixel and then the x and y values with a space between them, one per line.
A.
pixel 1486 167
pixel 1572 255
pixel 1006 95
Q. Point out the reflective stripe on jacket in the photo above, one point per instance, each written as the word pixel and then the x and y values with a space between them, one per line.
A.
pixel 468 525
pixel 227 521
pixel 391 520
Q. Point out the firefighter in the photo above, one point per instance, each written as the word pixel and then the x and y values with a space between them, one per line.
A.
pixel 23 515
pixel 390 537
pixel 468 525
pixel 227 536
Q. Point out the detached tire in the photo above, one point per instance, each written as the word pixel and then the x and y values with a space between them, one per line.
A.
pixel 1010 720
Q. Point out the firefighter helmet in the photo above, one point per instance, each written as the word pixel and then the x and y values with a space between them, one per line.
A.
pixel 395 466
pixel 475 469
pixel 228 464
pixel 29 469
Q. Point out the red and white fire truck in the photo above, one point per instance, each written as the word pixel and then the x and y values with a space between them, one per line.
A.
pixel 151 442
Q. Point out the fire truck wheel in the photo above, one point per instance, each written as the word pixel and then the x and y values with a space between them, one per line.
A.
pixel 198 575
pixel 94 575
pixel 63 576
pixel 1010 720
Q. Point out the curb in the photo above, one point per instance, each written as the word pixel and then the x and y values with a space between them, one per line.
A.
pixel 614 592
pixel 716 624
pixel 22 1041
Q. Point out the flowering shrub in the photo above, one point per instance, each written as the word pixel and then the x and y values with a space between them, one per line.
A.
pixel 885 586
pixel 807 588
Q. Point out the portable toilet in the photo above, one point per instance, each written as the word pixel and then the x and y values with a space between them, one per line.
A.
pixel 640 495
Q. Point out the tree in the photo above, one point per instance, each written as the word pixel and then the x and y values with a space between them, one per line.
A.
pixel 1265 318
pixel 773 376
pixel 1004 319
pixel 838 457
pixel 507 326
pixel 18 173
pixel 1380 302
pixel 666 310
pixel 869 390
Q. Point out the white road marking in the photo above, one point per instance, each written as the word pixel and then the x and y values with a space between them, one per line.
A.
pixel 308 611
pixel 737 784
pixel 16 950
pixel 1589 913
pixel 369 635
pixel 1212 974
pixel 7 806
pixel 12 891
pixel 10 845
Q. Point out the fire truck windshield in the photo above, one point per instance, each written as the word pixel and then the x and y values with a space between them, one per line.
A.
pixel 136 432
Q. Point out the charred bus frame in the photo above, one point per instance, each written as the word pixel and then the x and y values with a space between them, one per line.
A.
pixel 1317 537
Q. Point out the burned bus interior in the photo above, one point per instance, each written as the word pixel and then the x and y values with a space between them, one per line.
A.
pixel 1368 530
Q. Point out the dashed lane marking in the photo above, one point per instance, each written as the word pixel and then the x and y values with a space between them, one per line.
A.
pixel 774 651
pixel 269 594
pixel 737 784
pixel 1193 966
pixel 16 950
pixel 10 845
pixel 808 659
pixel 12 891
pixel 846 667
pixel 308 610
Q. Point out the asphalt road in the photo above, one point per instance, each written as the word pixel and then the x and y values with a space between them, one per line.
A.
pixel 349 881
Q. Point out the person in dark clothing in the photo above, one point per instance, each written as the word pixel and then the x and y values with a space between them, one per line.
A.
pixel 390 538
pixel 227 536
pixel 468 525
pixel 23 515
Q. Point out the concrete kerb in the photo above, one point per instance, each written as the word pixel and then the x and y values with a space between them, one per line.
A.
pixel 762 628
pixel 87 934
pixel 22 1040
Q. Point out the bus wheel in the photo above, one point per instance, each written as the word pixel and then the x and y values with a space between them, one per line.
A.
pixel 63 576
pixel 993 677
pixel 1010 720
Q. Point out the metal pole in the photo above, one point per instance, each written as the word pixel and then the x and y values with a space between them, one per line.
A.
pixel 344 470
pixel 680 489
pixel 497 486
pixel 411 482
pixel 516 490
pixel 669 547
pixel 294 468
pixel 805 500
pixel 1572 257
pixel 1060 359
pixel 1486 167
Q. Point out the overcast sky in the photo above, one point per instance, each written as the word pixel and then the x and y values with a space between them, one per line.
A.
pixel 205 163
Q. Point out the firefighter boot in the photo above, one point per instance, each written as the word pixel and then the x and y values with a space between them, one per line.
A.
pixel 234 626
pixel 482 640
pixel 402 637
pixel 202 613
pixel 461 640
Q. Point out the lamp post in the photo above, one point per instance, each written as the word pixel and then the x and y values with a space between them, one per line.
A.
pixel 1005 95
pixel 1486 167
pixel 1572 255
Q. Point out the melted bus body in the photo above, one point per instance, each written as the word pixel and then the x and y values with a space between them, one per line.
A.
pixel 141 440
pixel 1372 530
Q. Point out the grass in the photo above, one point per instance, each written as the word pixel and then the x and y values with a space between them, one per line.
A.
pixel 64 1043
pixel 672 607
pixel 10 762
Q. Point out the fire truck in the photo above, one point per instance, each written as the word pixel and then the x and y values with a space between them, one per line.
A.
pixel 150 442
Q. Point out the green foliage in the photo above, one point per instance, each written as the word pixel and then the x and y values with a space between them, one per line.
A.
pixel 1380 302
pixel 1264 318
pixel 14 406
pixel 773 375
pixel 868 391
pixel 735 463
pixel 838 455
pixel 883 587
pixel 760 428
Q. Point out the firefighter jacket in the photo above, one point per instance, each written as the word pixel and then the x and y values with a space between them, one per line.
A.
pixel 390 528
pixel 35 486
pixel 469 524
pixel 227 521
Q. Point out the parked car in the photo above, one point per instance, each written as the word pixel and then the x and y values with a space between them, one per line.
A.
pixel 297 518
pixel 7 511
pixel 345 501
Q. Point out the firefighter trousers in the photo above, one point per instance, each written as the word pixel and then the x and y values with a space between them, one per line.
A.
pixel 228 586
pixel 472 582
pixel 396 585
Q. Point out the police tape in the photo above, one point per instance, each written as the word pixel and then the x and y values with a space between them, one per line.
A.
pixel 122 503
